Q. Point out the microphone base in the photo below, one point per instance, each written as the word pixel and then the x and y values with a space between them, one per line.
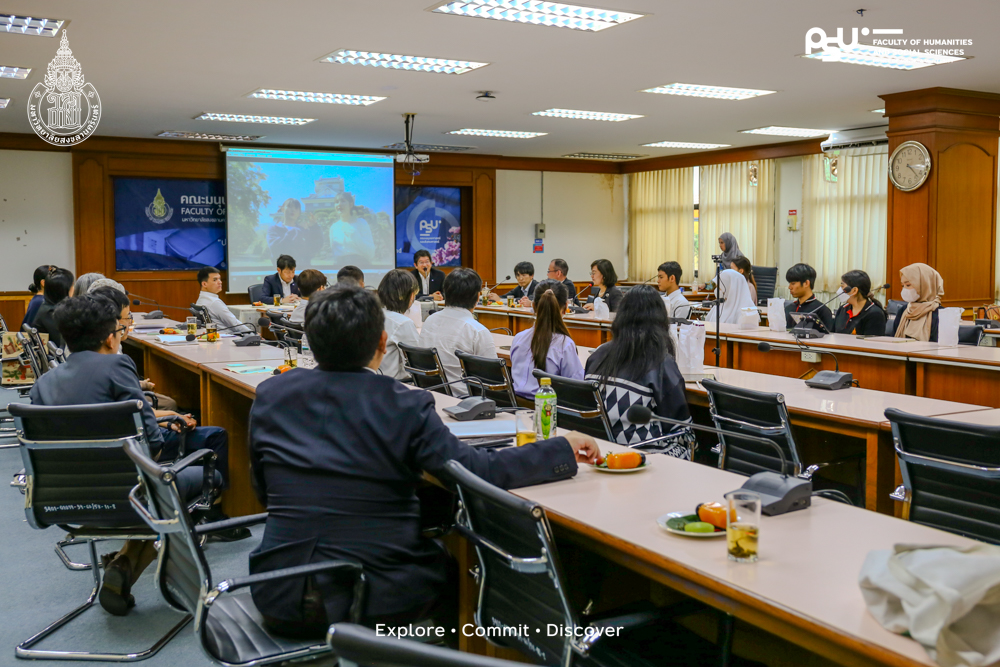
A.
pixel 807 332
pixel 155 315
pixel 831 380
pixel 780 494
pixel 251 340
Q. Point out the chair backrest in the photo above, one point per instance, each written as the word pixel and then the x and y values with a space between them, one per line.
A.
pixel 969 334
pixel 256 293
pixel 741 411
pixel 520 579
pixel 489 377
pixel 356 645
pixel 201 312
pixel 424 366
pixel 77 473
pixel 579 405
pixel 951 472
pixel 767 280
pixel 295 329
pixel 30 356
pixel 892 310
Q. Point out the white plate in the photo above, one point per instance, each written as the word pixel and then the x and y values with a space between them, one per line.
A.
pixel 662 521
pixel 622 470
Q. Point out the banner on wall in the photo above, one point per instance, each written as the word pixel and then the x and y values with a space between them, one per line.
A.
pixel 166 224
pixel 429 219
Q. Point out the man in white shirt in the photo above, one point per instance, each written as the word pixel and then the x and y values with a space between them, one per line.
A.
pixel 211 284
pixel 668 275
pixel 310 281
pixel 456 328
pixel 397 291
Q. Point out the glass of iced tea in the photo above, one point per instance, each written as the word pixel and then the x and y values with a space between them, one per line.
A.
pixel 742 525
pixel 525 426
pixel 212 332
pixel 192 326
pixel 277 299
pixel 292 356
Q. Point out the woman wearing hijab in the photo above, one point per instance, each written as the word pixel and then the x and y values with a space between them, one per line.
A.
pixel 730 253
pixel 923 288
pixel 735 289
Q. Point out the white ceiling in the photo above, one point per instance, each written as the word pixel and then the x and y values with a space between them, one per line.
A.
pixel 157 65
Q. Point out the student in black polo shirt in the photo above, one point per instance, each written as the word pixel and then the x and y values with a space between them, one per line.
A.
pixel 860 313
pixel 801 278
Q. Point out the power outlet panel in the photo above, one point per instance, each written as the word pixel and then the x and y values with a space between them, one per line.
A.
pixel 810 357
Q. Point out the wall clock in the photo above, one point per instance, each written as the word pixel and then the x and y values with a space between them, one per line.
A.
pixel 909 165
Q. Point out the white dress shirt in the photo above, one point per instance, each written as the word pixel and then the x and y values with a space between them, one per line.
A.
pixel 286 288
pixel 674 302
pixel 400 329
pixel 425 282
pixel 220 313
pixel 299 314
pixel 456 329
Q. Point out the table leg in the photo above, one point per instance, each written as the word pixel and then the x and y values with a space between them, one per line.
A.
pixel 229 409
pixel 880 471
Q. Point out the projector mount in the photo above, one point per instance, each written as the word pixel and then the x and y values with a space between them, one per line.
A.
pixel 410 160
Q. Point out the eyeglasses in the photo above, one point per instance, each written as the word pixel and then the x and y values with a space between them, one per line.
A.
pixel 121 330
pixel 551 271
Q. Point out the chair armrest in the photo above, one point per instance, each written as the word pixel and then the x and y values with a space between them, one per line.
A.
pixel 813 468
pixel 207 478
pixel 152 399
pixel 173 419
pixel 226 524
pixel 289 573
pixel 191 459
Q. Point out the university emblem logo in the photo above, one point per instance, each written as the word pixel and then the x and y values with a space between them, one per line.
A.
pixel 63 110
pixel 159 210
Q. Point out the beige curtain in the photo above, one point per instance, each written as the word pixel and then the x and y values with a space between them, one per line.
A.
pixel 730 203
pixel 844 223
pixel 660 221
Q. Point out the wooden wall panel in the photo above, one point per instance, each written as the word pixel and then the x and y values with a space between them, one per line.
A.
pixel 12 307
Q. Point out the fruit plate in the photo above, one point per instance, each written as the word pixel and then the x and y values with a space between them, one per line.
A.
pixel 675 522
pixel 603 467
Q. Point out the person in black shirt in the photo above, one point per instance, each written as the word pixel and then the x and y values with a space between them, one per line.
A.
pixel 58 286
pixel 801 278
pixel 602 274
pixel 860 313
pixel 524 273
pixel 558 270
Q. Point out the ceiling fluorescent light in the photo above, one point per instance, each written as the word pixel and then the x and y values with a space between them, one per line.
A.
pixel 505 134
pixel 787 131
pixel 585 115
pixel 533 12
pixel 714 92
pixel 4 101
pixel 240 118
pixel 604 156
pixel 302 96
pixel 880 56
pixel 411 63
pixel 8 72
pixel 208 136
pixel 30 25
pixel 430 148
pixel 684 144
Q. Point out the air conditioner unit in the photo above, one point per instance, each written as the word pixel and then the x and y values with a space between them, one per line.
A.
pixel 857 138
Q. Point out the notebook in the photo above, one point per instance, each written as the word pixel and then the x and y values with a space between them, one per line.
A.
pixel 483 427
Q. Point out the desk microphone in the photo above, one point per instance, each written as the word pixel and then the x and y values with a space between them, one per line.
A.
pixel 778 492
pixel 152 315
pixel 577 297
pixel 830 380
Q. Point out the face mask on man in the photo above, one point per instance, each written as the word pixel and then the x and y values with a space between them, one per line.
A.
pixel 909 294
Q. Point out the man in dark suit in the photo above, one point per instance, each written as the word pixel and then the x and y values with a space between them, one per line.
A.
pixel 281 283
pixel 524 274
pixel 558 270
pixel 58 286
pixel 344 471
pixel 95 372
pixel 429 279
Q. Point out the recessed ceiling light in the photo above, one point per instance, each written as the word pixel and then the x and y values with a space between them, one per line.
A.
pixel 209 136
pixel 684 144
pixel 880 56
pixel 715 92
pixel 505 134
pixel 585 115
pixel 4 101
pixel 881 111
pixel 787 131
pixel 302 96
pixel 392 61
pixel 553 14
pixel 604 156
pixel 30 25
pixel 8 72
pixel 240 118
pixel 437 148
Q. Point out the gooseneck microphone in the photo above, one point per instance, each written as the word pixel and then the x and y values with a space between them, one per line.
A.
pixel 830 380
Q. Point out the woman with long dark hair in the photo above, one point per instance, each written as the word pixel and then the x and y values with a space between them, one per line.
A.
pixel 546 346
pixel 36 287
pixel 860 313
pixel 638 365
pixel 743 266
pixel 602 274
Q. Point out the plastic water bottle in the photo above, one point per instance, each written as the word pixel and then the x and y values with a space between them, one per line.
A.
pixel 305 345
pixel 545 410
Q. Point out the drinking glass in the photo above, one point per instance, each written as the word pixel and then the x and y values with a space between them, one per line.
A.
pixel 525 426
pixel 277 299
pixel 192 326
pixel 212 332
pixel 292 357
pixel 742 525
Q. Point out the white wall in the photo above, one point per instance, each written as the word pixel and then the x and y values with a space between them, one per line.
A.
pixel 36 215
pixel 788 196
pixel 584 220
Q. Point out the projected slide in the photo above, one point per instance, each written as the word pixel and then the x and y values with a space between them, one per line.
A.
pixel 326 210
pixel 429 219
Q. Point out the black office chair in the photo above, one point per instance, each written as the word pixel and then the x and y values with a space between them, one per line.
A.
pixel 293 330
pixel 79 478
pixel 892 310
pixel 579 405
pixel 358 646
pixel 767 280
pixel 256 293
pixel 488 377
pixel 951 474
pixel 969 334
pixel 521 583
pixel 425 367
pixel 229 626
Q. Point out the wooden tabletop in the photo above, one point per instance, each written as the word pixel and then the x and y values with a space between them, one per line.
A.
pixel 970 354
pixel 200 352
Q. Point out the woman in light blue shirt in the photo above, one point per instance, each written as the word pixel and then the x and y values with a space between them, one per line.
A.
pixel 547 345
